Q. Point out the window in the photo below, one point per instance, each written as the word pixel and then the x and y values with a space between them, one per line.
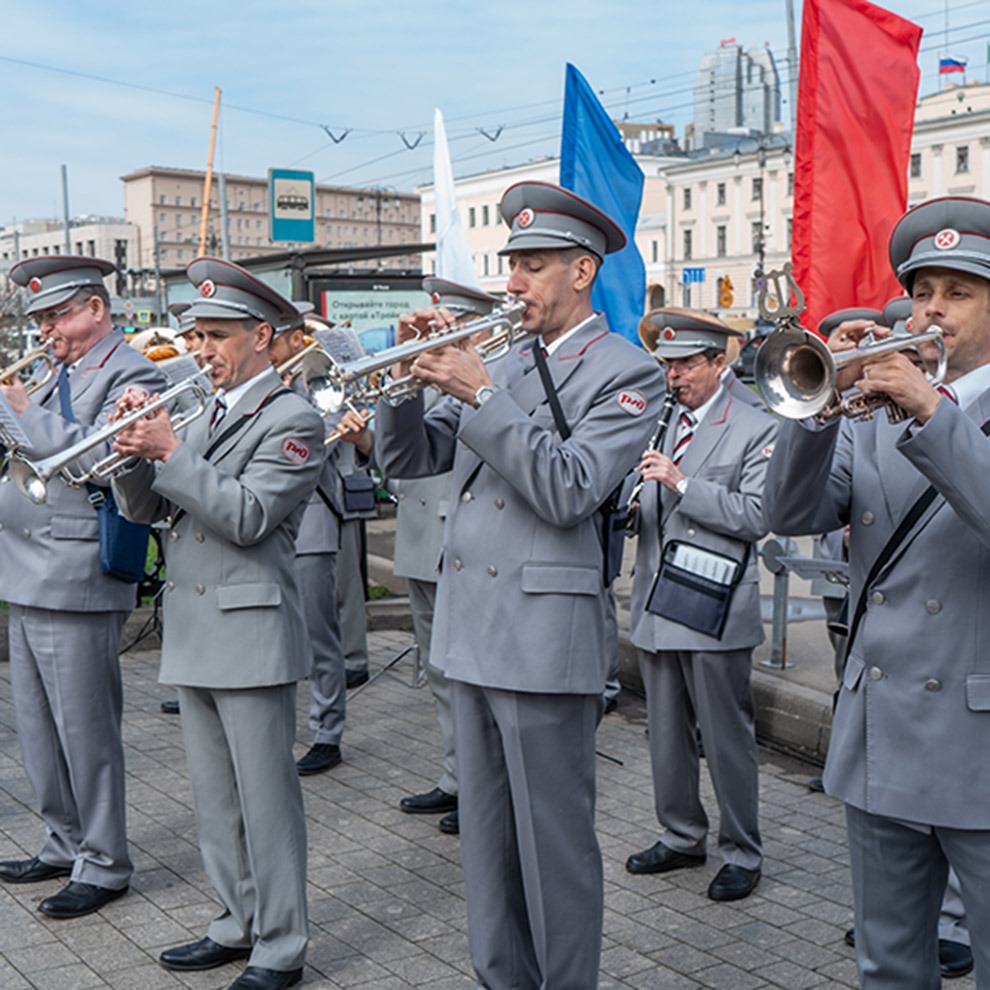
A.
pixel 178 201
pixel 790 232
pixel 687 199
pixel 500 260
pixel 161 217
pixel 433 223
pixel 471 216
pixel 178 219
pixel 720 240
pixel 484 261
pixel 757 188
pixel 654 251
pixel 484 215
pixel 720 194
pixel 164 252
pixel 192 202
pixel 790 183
pixel 962 158
pixel 161 200
pixel 915 170
pixel 687 245
pixel 180 254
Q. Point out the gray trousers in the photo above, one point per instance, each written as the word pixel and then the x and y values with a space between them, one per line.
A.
pixel 899 875
pixel 531 862
pixel 65 675
pixel 422 598
pixel 612 685
pixel 685 689
pixel 249 817
pixel 350 597
pixel 315 573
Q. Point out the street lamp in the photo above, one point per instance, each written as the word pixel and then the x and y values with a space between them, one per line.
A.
pixel 761 242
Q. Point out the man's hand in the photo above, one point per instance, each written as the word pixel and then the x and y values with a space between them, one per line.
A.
pixel 353 428
pixel 847 336
pixel 16 394
pixel 899 377
pixel 150 437
pixel 418 325
pixel 455 370
pixel 659 467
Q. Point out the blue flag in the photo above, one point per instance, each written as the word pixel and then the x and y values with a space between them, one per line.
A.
pixel 595 164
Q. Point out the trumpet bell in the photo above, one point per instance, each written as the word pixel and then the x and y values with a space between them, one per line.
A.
pixel 795 374
pixel 28 480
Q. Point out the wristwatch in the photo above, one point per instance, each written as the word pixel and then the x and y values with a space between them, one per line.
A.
pixel 681 486
pixel 483 395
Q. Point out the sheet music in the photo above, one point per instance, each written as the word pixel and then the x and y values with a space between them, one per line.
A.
pixel 341 343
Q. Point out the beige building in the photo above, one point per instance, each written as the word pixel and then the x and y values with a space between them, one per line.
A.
pixel 165 204
pixel 709 217
pixel 94 237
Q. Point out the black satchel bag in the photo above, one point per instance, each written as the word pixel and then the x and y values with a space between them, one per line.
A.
pixel 359 493
pixel 694 586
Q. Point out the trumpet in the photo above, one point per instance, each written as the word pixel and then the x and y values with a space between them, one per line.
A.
pixel 796 373
pixel 32 477
pixel 39 354
pixel 333 386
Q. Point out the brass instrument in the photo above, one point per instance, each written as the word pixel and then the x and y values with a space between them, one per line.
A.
pixel 39 354
pixel 32 477
pixel 796 373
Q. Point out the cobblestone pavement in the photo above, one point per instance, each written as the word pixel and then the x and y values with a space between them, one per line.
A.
pixel 385 894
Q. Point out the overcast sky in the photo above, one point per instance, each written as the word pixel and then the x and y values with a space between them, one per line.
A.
pixel 376 67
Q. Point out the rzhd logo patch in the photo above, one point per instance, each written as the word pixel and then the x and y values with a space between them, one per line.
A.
pixel 632 401
pixel 295 450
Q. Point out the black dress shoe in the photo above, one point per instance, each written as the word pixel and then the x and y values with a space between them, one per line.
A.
pixel 954 958
pixel 610 705
pixel 661 859
pixel 816 785
pixel 733 883
pixel 850 938
pixel 170 707
pixel 30 870
pixel 436 802
pixel 256 978
pixel 77 899
pixel 322 757
pixel 204 954
pixel 450 824
pixel 352 679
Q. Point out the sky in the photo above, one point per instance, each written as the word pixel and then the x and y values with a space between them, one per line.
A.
pixel 112 88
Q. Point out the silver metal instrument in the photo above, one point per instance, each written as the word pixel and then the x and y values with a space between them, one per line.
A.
pixel 22 364
pixel 32 477
pixel 656 441
pixel 796 373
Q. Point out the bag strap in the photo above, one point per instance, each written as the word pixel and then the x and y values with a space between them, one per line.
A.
pixel 906 525
pixel 551 392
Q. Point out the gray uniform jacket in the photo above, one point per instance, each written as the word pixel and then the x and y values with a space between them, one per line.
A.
pixel 726 462
pixel 319 530
pixel 740 390
pixel 49 554
pixel 233 616
pixel 914 706
pixel 520 600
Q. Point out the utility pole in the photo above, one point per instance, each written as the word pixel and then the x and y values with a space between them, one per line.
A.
pixel 792 65
pixel 205 213
pixel 65 210
pixel 224 231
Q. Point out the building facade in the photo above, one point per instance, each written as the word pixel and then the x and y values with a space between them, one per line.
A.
pixel 165 204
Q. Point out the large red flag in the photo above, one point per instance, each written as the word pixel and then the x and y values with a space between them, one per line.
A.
pixel 855 115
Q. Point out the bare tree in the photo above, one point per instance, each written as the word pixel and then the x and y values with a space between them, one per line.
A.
pixel 13 322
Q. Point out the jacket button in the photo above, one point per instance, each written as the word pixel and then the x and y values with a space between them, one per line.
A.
pixel 499 503
pixel 867 518
pixel 933 606
pixel 691 532
pixel 402 496
pixel 875 673
pixel 200 537
pixel 173 536
pixel 492 570
pixel 200 590
pixel 466 497
pixel 27 534
pixel 877 598
pixel 933 685
pixel 422 502
pixel 170 586
pixel 457 565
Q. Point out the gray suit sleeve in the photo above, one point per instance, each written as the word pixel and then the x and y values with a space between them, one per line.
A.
pixel 736 512
pixel 409 444
pixel 951 451
pixel 247 508
pixel 135 497
pixel 809 479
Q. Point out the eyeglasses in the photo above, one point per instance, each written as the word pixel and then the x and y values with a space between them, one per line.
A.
pixel 52 316
pixel 683 365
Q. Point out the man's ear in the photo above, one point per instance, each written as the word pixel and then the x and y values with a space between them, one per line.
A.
pixel 585 269
pixel 263 335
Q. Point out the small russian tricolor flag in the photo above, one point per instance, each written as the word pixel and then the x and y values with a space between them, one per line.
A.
pixel 950 64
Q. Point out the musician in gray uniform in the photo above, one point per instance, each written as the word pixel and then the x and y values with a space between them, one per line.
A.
pixel 316 554
pixel 701 503
pixel 913 705
pixel 65 614
pixel 422 509
pixel 519 627
pixel 236 485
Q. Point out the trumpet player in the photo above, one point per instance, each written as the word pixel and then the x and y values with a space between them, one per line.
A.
pixel 235 484
pixel 700 516
pixel 66 615
pixel 519 627
pixel 913 708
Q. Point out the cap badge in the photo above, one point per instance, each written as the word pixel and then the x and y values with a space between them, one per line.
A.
pixel 668 333
pixel 526 218
pixel 35 284
pixel 208 287
pixel 909 323
pixel 946 239
pixel 436 298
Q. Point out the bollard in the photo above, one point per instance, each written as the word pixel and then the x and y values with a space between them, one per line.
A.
pixel 771 552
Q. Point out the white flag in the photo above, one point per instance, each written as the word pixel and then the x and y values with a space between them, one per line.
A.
pixel 454 261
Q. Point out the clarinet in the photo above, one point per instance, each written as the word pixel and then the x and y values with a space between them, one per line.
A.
pixel 656 441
